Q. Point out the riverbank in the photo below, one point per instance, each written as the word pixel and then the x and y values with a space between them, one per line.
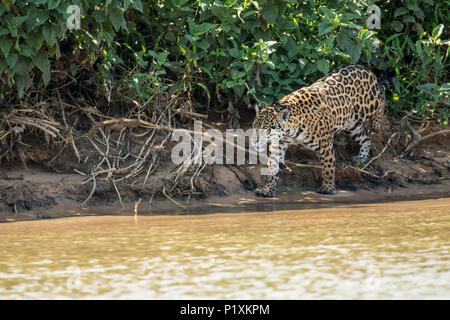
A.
pixel 59 188
pixel 37 194
pixel 66 206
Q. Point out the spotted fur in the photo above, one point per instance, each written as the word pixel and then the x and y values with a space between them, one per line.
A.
pixel 341 101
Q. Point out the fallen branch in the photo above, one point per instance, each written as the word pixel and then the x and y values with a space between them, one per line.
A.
pixel 189 113
pixel 363 171
pixel 303 165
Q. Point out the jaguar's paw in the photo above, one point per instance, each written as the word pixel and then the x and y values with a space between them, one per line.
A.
pixel 326 190
pixel 265 192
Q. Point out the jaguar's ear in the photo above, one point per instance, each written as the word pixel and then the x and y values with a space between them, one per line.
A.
pixel 283 115
pixel 256 107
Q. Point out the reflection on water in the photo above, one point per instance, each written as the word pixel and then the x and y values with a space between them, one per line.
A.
pixel 391 250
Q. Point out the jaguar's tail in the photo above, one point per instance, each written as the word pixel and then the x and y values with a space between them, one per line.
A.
pixel 386 84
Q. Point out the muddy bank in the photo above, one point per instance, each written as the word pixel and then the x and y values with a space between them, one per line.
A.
pixel 41 195
pixel 57 204
pixel 58 186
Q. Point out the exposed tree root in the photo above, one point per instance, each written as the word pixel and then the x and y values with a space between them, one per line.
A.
pixel 422 139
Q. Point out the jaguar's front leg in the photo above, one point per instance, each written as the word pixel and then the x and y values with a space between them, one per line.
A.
pixel 269 189
pixel 274 167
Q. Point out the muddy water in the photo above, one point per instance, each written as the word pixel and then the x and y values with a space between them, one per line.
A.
pixel 390 250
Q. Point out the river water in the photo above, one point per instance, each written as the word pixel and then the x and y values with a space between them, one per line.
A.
pixel 370 251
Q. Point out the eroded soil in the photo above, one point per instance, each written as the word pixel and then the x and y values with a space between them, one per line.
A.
pixel 56 189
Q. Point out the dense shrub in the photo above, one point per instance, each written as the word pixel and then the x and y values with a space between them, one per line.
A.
pixel 222 51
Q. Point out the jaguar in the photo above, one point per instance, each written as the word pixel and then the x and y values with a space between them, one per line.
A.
pixel 342 101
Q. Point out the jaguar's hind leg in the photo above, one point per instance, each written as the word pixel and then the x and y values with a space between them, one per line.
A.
pixel 378 116
pixel 359 134
pixel 328 164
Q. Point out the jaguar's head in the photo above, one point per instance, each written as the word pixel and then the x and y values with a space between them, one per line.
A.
pixel 270 126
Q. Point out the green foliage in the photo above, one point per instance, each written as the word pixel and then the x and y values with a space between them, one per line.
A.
pixel 225 50
pixel 265 49
pixel 419 50
pixel 32 32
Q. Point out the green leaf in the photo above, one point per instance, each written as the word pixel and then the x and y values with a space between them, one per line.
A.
pixel 323 66
pixel 419 50
pixel 248 65
pixel 23 66
pixel 270 13
pixel 117 19
pixel 36 18
pixel 397 85
pixel 302 62
pixel 52 4
pixel 191 38
pixel 270 64
pixel 238 90
pixel 429 88
pixel 5 46
pixel 17 21
pixel 3 31
pixel 137 4
pixel 234 52
pixel 292 67
pixel 205 88
pixel 409 18
pixel 291 47
pixel 400 11
pixel 3 66
pixel 11 60
pixel 354 53
pixel 49 34
pixel 35 41
pixel 309 68
pixel 328 43
pixel 412 5
pixel 249 13
pixel 204 28
pixel 324 28
pixel 200 29
pixel 419 28
pixel 203 44
pixel 23 82
pixel 26 51
pixel 343 41
pixel 220 12
pixel 289 26
pixel 328 13
pixel 397 25
pixel 41 61
pixel 437 31
pixel 207 71
pixel 419 14
pixel 3 8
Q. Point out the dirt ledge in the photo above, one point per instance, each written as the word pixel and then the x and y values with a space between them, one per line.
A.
pixel 42 193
